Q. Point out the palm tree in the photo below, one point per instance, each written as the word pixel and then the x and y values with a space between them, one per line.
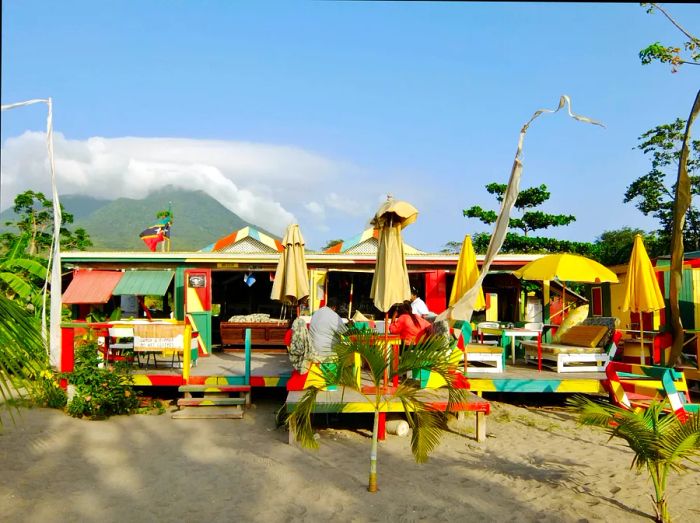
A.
pixel 22 352
pixel 342 371
pixel 661 442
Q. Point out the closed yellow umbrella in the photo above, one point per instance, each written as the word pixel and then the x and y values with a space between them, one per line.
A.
pixel 466 275
pixel 390 283
pixel 292 276
pixel 565 267
pixel 642 291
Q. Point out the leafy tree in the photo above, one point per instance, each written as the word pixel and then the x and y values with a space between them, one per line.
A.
pixel 661 443
pixel 427 424
pixel 529 221
pixel 654 192
pixel 671 54
pixel 615 247
pixel 527 199
pixel 35 223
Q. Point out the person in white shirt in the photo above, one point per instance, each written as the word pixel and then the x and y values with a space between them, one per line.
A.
pixel 324 328
pixel 418 306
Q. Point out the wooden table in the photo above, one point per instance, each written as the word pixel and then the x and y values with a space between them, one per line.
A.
pixel 518 332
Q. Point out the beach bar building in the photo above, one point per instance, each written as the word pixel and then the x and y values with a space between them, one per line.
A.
pixel 207 301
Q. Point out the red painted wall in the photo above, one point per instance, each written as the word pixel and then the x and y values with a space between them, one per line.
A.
pixel 436 291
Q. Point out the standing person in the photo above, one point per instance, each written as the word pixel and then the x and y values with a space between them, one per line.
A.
pixel 325 326
pixel 418 306
pixel 409 326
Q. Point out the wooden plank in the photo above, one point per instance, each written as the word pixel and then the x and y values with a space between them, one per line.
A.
pixel 209 413
pixel 210 402
pixel 214 388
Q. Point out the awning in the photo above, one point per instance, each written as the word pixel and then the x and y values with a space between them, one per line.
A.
pixel 91 286
pixel 144 283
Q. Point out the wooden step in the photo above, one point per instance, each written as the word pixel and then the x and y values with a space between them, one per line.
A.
pixel 209 413
pixel 214 388
pixel 210 401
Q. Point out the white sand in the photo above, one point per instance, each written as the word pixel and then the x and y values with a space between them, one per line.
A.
pixel 537 465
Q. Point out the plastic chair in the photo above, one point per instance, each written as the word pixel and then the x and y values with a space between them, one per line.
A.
pixel 119 344
pixel 494 337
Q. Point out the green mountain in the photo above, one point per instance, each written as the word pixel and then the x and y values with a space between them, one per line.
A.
pixel 115 225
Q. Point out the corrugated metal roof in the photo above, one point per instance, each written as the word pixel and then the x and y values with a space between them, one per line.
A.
pixel 91 286
pixel 144 283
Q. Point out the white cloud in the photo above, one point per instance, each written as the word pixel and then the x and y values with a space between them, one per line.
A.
pixel 264 184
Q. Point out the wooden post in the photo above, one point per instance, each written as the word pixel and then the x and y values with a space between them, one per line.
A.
pixel 480 427
pixel 67 361
pixel 381 428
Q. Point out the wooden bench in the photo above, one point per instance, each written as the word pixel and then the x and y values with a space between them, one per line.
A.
pixel 349 401
pixel 265 334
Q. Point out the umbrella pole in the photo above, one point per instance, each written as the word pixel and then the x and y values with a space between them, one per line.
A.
pixel 386 347
pixel 352 285
pixel 641 338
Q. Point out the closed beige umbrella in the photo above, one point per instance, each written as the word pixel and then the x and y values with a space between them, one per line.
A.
pixel 292 276
pixel 390 282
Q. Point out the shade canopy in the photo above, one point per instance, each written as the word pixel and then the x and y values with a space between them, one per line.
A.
pixel 390 283
pixel 91 287
pixel 292 276
pixel 144 283
pixel 566 267
pixel 642 291
pixel 466 276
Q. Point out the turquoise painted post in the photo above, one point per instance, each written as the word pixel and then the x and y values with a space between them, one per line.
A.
pixel 247 356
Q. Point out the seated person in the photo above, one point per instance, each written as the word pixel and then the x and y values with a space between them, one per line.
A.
pixel 418 306
pixel 326 325
pixel 409 326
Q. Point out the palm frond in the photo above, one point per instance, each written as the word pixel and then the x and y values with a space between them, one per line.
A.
pixel 22 351
pixel 300 419
pixel 682 442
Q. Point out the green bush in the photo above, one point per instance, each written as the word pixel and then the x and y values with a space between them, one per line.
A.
pixel 47 391
pixel 99 392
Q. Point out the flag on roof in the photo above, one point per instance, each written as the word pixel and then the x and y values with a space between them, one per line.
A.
pixel 156 233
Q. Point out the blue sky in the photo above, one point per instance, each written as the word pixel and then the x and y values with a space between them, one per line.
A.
pixel 313 111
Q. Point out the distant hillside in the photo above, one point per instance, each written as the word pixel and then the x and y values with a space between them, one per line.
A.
pixel 199 220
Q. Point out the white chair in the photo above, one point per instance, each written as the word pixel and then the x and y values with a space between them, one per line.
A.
pixel 119 344
pixel 492 329
pixel 534 326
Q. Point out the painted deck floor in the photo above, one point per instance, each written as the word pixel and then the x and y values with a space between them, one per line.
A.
pixel 274 370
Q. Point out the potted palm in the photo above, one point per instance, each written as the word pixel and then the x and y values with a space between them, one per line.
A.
pixel 660 441
pixel 377 363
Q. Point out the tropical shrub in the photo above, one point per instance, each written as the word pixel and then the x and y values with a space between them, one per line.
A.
pixel 660 442
pixel 100 392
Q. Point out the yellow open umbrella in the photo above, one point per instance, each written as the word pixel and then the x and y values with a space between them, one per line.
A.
pixel 566 267
pixel 466 275
pixel 292 276
pixel 642 291
pixel 390 283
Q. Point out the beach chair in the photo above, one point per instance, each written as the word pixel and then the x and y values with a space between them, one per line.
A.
pixel 635 386
pixel 586 347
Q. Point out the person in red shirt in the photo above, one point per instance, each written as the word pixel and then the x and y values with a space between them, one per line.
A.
pixel 410 327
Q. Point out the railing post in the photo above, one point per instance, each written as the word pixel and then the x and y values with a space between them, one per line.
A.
pixel 187 353
pixel 247 355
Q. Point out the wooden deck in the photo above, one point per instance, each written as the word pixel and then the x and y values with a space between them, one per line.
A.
pixel 274 370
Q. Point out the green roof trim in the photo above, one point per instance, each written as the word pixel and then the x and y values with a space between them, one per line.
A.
pixel 144 283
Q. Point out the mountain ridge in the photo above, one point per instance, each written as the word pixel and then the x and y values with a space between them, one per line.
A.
pixel 198 219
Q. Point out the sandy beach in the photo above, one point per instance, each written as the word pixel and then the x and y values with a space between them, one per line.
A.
pixel 537 465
